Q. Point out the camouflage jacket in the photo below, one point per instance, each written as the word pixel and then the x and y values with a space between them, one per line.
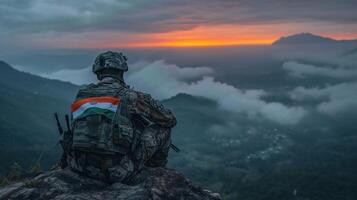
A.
pixel 152 123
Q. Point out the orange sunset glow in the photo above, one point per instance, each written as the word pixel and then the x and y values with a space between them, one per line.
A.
pixel 205 37
pixel 203 43
pixel 202 36
pixel 224 35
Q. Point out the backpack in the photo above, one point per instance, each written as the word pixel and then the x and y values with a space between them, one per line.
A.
pixel 100 120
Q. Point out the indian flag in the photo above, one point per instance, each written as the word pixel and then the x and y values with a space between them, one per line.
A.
pixel 106 105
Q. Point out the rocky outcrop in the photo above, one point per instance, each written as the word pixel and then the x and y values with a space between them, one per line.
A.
pixel 159 184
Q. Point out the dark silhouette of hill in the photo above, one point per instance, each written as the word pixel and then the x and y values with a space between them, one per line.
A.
pixel 27 128
pixel 308 38
pixel 35 84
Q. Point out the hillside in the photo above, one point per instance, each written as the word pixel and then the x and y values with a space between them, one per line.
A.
pixel 15 79
pixel 27 125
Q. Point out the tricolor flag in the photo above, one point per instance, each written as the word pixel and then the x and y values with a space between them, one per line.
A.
pixel 106 105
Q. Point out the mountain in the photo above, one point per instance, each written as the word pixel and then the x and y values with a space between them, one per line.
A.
pixel 27 126
pixel 37 85
pixel 308 38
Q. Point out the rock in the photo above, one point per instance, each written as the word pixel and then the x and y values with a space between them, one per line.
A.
pixel 159 184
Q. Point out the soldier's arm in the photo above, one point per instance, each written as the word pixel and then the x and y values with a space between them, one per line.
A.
pixel 151 140
pixel 155 122
pixel 152 110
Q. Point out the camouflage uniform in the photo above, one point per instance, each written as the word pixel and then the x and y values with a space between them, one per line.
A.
pixel 145 143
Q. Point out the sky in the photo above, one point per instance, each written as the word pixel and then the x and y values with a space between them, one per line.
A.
pixel 60 39
pixel 51 24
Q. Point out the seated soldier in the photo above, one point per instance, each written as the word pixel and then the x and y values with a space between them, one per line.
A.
pixel 117 131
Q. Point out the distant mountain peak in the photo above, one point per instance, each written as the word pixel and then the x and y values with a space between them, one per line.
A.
pixel 183 98
pixel 304 38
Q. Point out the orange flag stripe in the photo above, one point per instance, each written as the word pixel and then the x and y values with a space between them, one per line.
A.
pixel 104 99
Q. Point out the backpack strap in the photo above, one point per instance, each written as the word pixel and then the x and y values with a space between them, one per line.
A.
pixel 125 93
pixel 121 125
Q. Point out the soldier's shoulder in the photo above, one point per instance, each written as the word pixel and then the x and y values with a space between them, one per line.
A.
pixel 89 86
pixel 142 96
pixel 149 100
pixel 86 87
pixel 84 91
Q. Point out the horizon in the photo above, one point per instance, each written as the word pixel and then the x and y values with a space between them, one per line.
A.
pixel 202 43
pixel 210 43
pixel 196 44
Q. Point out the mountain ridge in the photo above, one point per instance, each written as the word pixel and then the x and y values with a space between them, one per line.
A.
pixel 308 38
pixel 39 85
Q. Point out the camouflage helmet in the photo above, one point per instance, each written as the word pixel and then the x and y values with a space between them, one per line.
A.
pixel 110 60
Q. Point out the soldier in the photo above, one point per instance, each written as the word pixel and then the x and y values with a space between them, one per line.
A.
pixel 117 131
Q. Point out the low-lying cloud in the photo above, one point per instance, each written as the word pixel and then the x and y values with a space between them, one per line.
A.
pixel 333 99
pixel 164 80
pixel 302 70
pixel 75 76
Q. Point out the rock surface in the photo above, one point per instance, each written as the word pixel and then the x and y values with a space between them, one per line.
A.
pixel 160 184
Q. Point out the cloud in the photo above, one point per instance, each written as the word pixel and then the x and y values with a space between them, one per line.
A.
pixel 164 80
pixel 75 76
pixel 334 67
pixel 332 99
pixel 164 15
pixel 249 101
pixel 301 70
